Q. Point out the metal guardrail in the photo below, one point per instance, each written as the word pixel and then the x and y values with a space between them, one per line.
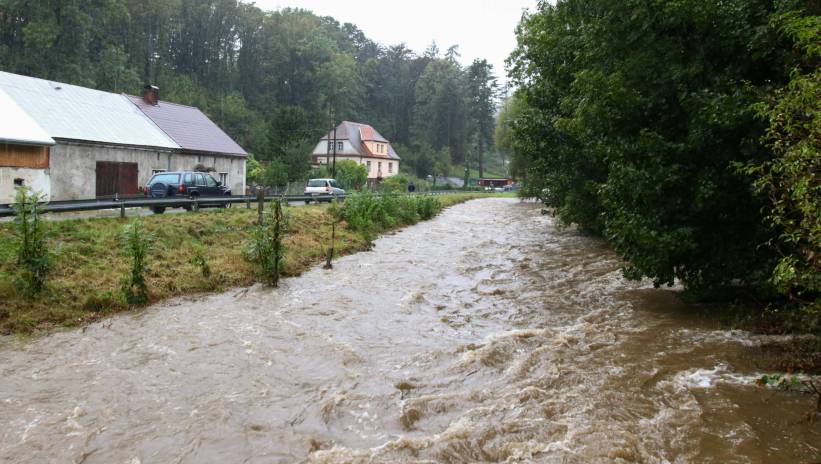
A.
pixel 177 202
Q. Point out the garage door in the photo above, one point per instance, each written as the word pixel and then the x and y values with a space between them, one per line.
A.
pixel 116 179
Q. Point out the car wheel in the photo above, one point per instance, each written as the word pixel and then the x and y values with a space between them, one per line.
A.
pixel 158 209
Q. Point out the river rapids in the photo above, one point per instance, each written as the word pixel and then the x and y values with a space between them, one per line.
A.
pixel 484 335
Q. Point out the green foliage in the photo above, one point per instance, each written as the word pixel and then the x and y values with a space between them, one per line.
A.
pixel 351 175
pixel 136 246
pixel 399 184
pixel 265 249
pixel 253 170
pixel 371 214
pixel 791 179
pixel 201 262
pixel 274 174
pixel 421 160
pixel 33 258
pixel 630 117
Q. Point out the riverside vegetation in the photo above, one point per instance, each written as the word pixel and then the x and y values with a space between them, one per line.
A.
pixel 96 265
pixel 685 133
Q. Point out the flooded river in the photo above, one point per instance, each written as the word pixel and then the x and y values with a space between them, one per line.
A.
pixel 485 334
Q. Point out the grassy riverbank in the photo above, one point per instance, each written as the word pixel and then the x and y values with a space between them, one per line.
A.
pixel 89 261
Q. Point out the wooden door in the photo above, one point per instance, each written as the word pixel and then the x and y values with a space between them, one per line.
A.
pixel 116 179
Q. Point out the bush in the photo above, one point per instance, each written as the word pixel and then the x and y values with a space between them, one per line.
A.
pixel 265 249
pixel 371 214
pixel 137 244
pixel 33 259
pixel 399 184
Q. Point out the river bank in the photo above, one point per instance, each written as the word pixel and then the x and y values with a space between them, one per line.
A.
pixel 89 262
pixel 483 335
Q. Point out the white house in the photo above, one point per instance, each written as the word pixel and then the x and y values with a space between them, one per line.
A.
pixel 362 144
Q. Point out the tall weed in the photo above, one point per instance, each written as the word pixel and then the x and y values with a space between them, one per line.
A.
pixel 136 244
pixel 265 249
pixel 33 258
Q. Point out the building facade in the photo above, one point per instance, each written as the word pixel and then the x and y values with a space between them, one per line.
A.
pixel 96 144
pixel 362 144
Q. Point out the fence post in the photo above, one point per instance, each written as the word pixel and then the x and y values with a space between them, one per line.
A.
pixel 122 210
pixel 260 206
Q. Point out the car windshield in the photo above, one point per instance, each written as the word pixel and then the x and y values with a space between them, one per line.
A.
pixel 166 179
pixel 316 183
pixel 334 184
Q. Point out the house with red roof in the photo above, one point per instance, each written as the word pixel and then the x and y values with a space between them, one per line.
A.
pixel 362 144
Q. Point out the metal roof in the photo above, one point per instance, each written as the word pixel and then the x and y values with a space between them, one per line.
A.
pixel 67 111
pixel 189 127
pixel 16 126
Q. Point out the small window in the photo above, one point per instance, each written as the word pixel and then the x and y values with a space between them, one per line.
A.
pixel 224 178
pixel 210 181
pixel 188 179
pixel 379 165
pixel 338 146
pixel 200 180
pixel 390 167
pixel 330 145
pixel 369 166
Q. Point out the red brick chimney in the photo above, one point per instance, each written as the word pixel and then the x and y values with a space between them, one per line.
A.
pixel 151 94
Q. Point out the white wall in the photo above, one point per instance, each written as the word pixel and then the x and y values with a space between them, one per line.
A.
pixel 73 167
pixel 36 179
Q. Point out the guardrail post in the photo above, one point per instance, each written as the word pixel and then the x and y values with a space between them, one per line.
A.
pixel 122 210
pixel 247 203
pixel 260 206
pixel 196 206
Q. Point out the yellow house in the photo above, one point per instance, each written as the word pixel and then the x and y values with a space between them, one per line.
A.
pixel 362 144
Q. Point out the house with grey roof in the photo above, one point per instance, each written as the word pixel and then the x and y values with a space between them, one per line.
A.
pixel 362 144
pixel 71 142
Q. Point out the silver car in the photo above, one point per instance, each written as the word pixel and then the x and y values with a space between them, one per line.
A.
pixel 323 187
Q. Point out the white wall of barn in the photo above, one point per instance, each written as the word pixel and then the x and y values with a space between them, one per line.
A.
pixel 36 179
pixel 73 167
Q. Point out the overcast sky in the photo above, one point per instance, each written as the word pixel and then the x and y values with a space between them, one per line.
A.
pixel 481 28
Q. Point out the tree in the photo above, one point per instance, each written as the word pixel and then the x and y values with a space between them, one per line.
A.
pixel 481 90
pixel 791 180
pixel 634 114
pixel 351 175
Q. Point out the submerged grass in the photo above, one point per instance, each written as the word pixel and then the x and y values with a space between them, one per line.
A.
pixel 89 263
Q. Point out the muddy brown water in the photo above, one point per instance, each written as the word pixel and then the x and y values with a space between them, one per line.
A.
pixel 485 334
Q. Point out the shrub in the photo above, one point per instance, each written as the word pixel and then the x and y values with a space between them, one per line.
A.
pixel 137 244
pixel 265 249
pixel 33 258
pixel 370 214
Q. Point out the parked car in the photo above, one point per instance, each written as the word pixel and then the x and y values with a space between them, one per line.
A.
pixel 317 187
pixel 190 184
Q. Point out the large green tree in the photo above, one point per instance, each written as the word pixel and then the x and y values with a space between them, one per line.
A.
pixel 634 115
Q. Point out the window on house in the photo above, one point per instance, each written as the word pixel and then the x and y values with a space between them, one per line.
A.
pixel 330 145
pixel 379 166
pixel 338 146
pixel 390 167
pixel 224 178
pixel 369 166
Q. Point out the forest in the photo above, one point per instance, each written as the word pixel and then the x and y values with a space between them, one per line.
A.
pixel 274 80
pixel 685 133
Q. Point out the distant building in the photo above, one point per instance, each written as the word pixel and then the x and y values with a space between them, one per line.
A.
pixel 360 143
pixel 494 182
pixel 72 142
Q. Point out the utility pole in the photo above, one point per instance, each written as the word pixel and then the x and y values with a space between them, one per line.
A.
pixel 333 169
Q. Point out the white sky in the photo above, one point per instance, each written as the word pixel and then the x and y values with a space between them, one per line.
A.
pixel 481 28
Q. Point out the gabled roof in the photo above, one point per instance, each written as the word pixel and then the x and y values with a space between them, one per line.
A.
pixel 17 127
pixel 189 127
pixel 357 134
pixel 71 112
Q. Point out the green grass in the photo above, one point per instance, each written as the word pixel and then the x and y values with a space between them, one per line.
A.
pixel 89 262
